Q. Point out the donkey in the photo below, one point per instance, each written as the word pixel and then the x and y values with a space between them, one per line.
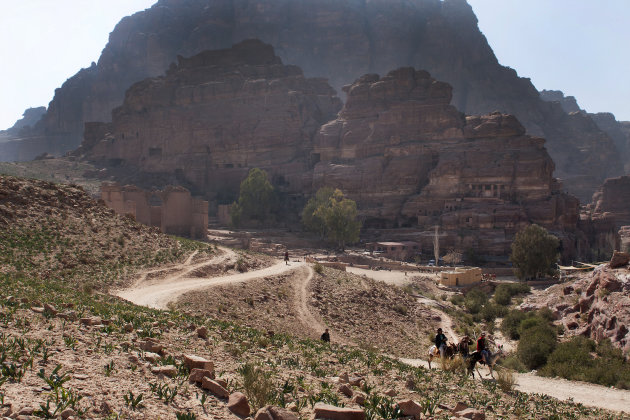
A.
pixel 449 352
pixel 475 357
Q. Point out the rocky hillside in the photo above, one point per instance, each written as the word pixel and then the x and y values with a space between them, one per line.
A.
pixel 337 40
pixel 595 305
pixel 71 351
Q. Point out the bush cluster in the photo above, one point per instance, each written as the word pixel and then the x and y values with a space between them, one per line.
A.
pixel 504 293
pixel 581 359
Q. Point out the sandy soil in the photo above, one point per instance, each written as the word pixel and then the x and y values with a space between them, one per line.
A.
pixel 176 281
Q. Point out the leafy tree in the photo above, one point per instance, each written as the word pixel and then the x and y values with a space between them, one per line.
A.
pixel 534 251
pixel 339 215
pixel 314 222
pixel 255 199
pixel 453 257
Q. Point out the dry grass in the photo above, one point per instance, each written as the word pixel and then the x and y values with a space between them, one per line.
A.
pixel 506 379
pixel 455 365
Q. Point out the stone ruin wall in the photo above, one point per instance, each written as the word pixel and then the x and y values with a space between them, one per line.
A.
pixel 173 210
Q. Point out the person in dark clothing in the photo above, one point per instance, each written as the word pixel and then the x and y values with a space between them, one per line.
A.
pixel 482 347
pixel 286 257
pixel 326 336
pixel 440 341
pixel 462 346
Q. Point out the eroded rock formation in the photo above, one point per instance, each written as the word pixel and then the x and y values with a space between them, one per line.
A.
pixel 410 159
pixel 216 115
pixel 338 40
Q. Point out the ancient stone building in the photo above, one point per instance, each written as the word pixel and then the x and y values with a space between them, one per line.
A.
pixel 173 210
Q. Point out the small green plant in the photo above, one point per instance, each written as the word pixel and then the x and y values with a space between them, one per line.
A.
pixel 164 392
pixel 132 401
pixel 319 269
pixel 70 341
pixel 257 384
pixel 109 368
pixel 379 407
pixel 240 265
pixel 186 416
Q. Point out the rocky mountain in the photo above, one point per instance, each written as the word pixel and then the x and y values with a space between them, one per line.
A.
pixel 338 40
pixel 617 131
pixel 398 147
pixel 216 115
pixel 411 159
pixel 30 117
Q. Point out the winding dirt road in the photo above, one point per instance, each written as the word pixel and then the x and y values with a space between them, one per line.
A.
pixel 156 288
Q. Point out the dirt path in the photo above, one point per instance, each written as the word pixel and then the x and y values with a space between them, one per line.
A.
pixel 300 304
pixel 157 287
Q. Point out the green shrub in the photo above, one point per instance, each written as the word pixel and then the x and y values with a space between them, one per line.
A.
pixel 257 385
pixel 538 341
pixel 504 293
pixel 475 300
pixel 319 269
pixel 512 362
pixel 457 300
pixel 489 312
pixel 511 322
pixel 574 360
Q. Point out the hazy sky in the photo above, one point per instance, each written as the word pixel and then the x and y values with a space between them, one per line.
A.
pixel 578 46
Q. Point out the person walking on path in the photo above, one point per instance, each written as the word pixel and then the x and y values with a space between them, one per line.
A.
pixel 326 336
pixel 286 257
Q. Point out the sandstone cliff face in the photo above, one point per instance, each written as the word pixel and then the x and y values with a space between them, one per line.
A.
pixel 216 115
pixel 338 40
pixel 410 159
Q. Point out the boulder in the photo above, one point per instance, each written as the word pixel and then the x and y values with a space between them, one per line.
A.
pixel 619 259
pixel 238 404
pixel 345 390
pixel 410 408
pixel 151 357
pixel 359 398
pixel 168 370
pixel 196 362
pixel 327 411
pixel 274 413
pixel 197 375
pixel 50 309
pixel 202 332
pixel 150 345
pixel 214 388
pixel 471 413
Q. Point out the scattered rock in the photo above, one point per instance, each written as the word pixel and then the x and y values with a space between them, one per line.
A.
pixel 274 413
pixel 93 320
pixel 327 411
pixel 410 408
pixel 128 327
pixel 391 393
pixel 345 390
pixel 168 370
pixel 151 346
pixel 202 332
pixel 196 362
pixel 214 388
pixel 359 398
pixel 343 378
pixel 50 309
pixel 471 413
pixel 197 375
pixel 67 413
pixel 355 381
pixel 68 316
pixel 151 357
pixel 238 404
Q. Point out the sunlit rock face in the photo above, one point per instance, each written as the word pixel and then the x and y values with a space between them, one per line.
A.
pixel 411 159
pixel 339 40
pixel 217 114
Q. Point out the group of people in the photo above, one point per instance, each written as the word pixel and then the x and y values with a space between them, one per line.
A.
pixel 482 345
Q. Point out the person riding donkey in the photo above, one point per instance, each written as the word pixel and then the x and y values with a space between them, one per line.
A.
pixel 482 347
pixel 440 342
